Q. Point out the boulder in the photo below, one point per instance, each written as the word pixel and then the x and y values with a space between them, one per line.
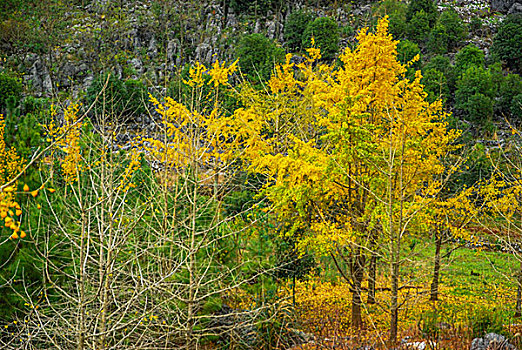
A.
pixel 491 341
pixel 420 345
pixel 515 8
pixel 506 6
pixel 40 78
pixel 152 51
pixel 137 65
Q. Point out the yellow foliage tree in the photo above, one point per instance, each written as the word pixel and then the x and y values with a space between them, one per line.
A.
pixel 502 212
pixel 351 151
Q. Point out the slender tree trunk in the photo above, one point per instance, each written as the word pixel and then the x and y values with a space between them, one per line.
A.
pixel 395 236
pixel 518 307
pixel 372 269
pixel 192 288
pixel 436 268
pixel 293 290
pixel 356 265
pixel 81 301
pixel 101 233
pixel 394 265
pixel 394 308
pixel 358 262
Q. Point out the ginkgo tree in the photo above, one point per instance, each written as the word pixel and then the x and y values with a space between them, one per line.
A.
pixel 353 153
pixel 501 196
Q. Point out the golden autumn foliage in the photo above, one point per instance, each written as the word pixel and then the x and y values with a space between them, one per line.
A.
pixel 10 167
pixel 452 214
pixel 194 137
pixel 353 154
pixel 323 309
pixel 67 138
pixel 333 139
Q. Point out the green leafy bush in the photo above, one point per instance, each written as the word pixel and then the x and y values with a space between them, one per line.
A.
pixel 427 6
pixel 435 84
pixel 419 27
pixel 406 52
pixel 479 108
pixel 137 96
pixel 454 27
pixel 443 64
pixel 347 31
pixel 325 32
pixel 10 86
pixel 120 100
pixel 516 106
pixel 396 12
pixel 438 40
pixel 507 43
pixel 475 93
pixel 469 56
pixel 295 27
pixel 257 56
pixel 440 63
pixel 9 8
pixel 510 87
pixel 23 130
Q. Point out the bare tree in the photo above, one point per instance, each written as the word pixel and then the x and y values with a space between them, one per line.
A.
pixel 141 259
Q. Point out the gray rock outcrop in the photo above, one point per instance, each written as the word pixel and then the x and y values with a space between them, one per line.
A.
pixel 39 78
pixel 507 6
pixel 491 341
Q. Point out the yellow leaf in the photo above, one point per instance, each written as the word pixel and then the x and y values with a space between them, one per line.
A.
pixel 34 193
pixel 26 188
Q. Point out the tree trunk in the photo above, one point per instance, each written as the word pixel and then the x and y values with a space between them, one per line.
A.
pixel 371 278
pixel 518 307
pixel 395 239
pixel 356 265
pixel 394 308
pixel 436 268
pixel 81 300
pixel 293 289
pixel 372 269
pixel 191 268
pixel 357 268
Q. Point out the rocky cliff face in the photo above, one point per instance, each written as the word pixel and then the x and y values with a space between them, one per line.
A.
pixel 152 40
pixel 149 41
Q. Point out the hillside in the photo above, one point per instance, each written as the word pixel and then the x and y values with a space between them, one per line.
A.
pixel 268 174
